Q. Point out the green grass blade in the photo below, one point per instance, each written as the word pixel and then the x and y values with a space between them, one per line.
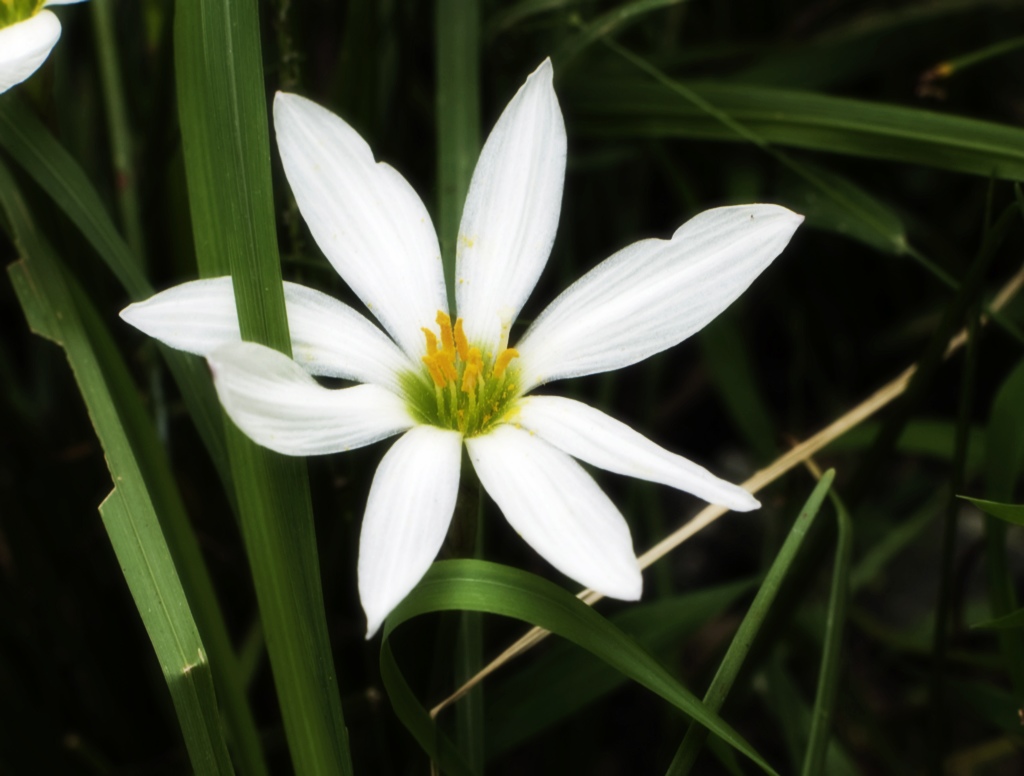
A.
pixel 695 736
pixel 457 28
pixel 1004 462
pixel 54 170
pixel 605 25
pixel 631 106
pixel 1011 513
pixel 563 680
pixel 121 145
pixel 831 671
pixel 128 514
pixel 488 587
pixel 223 116
pixel 31 145
pixel 1011 621
pixel 457 34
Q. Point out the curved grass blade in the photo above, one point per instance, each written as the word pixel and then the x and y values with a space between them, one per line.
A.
pixel 629 106
pixel 488 587
pixel 223 116
pixel 128 513
pixel 696 735
pixel 563 680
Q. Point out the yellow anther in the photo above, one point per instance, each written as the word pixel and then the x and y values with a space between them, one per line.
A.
pixel 435 372
pixel 431 341
pixel 474 370
pixel 447 339
pixel 461 343
pixel 502 361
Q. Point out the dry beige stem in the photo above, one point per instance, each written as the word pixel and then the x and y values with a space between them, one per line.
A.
pixel 794 457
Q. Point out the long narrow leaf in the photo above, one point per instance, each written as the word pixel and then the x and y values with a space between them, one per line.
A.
pixel 620 105
pixel 694 739
pixel 223 115
pixel 488 587
pixel 128 513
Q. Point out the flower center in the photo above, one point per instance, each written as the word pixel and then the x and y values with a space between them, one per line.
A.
pixel 14 11
pixel 464 389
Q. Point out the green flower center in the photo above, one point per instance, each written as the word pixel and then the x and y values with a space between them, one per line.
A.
pixel 14 11
pixel 461 388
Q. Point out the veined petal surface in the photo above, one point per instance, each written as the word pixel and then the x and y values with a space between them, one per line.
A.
pixel 511 213
pixel 411 502
pixel 329 338
pixel 365 217
pixel 558 509
pixel 278 405
pixel 653 294
pixel 24 46
pixel 602 441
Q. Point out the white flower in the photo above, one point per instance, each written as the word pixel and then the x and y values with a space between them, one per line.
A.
pixel 27 33
pixel 442 385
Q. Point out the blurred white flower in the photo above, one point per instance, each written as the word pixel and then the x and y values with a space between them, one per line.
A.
pixel 27 33
pixel 442 384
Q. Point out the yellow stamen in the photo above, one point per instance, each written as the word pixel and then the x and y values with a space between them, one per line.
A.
pixel 461 343
pixel 431 341
pixel 447 339
pixel 502 361
pixel 435 372
pixel 474 371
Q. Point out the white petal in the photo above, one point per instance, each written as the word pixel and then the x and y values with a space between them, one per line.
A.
pixel 278 405
pixel 653 294
pixel 365 217
pixel 595 438
pixel 511 213
pixel 24 46
pixel 558 509
pixel 62 2
pixel 328 338
pixel 407 515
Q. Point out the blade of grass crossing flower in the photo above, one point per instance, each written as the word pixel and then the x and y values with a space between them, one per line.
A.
pixel 457 33
pixel 29 142
pixel 830 673
pixel 730 666
pixel 554 686
pixel 128 513
pixel 223 116
pixel 488 587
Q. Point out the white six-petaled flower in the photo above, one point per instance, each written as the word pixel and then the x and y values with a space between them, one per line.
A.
pixel 27 35
pixel 442 384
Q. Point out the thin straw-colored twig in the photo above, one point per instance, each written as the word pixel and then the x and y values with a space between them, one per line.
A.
pixel 794 457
